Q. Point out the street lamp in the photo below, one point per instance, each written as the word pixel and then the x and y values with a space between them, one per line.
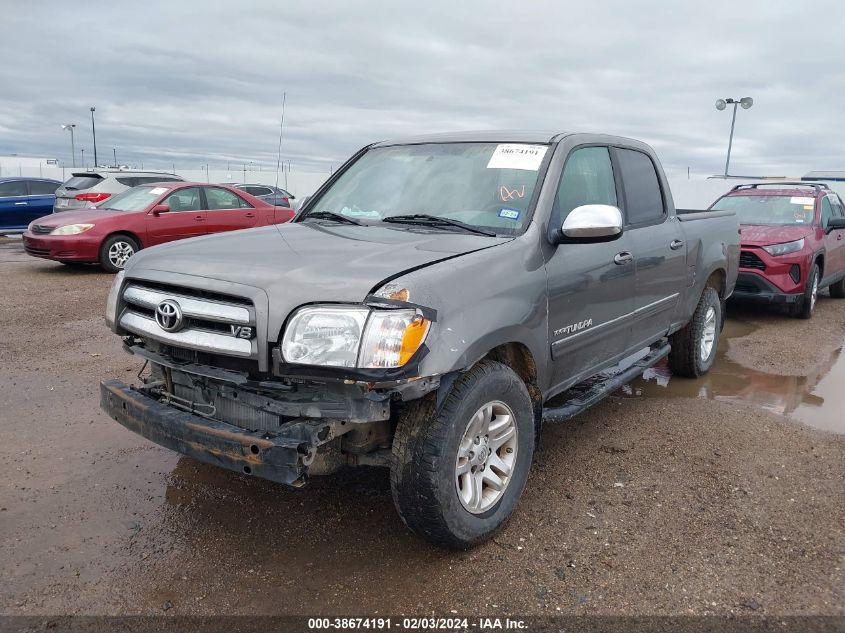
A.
pixel 70 126
pixel 82 149
pixel 721 104
pixel 94 134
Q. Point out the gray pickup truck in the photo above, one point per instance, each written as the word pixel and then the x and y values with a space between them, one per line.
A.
pixel 427 309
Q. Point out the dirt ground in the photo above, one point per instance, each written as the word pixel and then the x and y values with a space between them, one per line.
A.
pixel 643 505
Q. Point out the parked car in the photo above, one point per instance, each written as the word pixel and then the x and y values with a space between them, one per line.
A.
pixel 272 195
pixel 24 199
pixel 93 186
pixel 428 308
pixel 145 216
pixel 792 243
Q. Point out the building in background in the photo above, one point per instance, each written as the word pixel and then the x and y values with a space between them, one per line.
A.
pixel 26 165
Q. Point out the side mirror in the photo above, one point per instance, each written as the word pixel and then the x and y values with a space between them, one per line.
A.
pixel 298 203
pixel 592 223
pixel 161 208
pixel 835 224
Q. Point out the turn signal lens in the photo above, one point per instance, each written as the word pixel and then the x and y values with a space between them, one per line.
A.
pixel 391 338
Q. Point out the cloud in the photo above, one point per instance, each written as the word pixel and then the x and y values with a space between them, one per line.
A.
pixel 195 83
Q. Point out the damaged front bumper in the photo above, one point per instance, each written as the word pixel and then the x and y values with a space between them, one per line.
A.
pixel 282 456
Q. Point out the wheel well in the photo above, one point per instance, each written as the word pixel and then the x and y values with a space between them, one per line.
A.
pixel 125 233
pixel 820 260
pixel 716 280
pixel 519 358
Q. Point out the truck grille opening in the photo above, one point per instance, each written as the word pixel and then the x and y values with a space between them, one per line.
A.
pixel 747 259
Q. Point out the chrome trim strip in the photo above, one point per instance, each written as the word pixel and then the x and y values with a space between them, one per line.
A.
pixel 191 307
pixel 644 310
pixel 198 340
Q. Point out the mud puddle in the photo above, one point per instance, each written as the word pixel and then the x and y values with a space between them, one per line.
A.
pixel 816 399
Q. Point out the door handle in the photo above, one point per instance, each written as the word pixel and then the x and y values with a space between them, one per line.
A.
pixel 199 218
pixel 623 258
pixel 249 215
pixel 676 244
pixel 17 204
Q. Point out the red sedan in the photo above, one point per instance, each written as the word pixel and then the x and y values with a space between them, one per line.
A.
pixel 145 216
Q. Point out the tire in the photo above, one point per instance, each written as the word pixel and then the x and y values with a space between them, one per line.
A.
pixel 116 251
pixel 806 306
pixel 837 290
pixel 430 448
pixel 694 346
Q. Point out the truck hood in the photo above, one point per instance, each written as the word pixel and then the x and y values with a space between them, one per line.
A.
pixel 305 262
pixel 765 234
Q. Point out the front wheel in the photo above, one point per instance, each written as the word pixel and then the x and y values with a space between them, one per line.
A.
pixel 694 346
pixel 457 474
pixel 806 306
pixel 116 251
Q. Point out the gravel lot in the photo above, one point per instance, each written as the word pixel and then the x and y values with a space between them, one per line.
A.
pixel 644 505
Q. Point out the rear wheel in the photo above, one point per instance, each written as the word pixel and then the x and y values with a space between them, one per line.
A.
pixel 457 474
pixel 806 306
pixel 116 251
pixel 694 346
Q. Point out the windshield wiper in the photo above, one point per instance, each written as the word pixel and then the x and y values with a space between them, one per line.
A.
pixel 331 215
pixel 424 219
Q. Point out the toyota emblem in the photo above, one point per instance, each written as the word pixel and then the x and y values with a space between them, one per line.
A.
pixel 169 316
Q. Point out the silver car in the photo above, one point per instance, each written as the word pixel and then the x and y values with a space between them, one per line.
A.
pixel 85 188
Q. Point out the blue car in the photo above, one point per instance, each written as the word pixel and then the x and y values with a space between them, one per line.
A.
pixel 23 200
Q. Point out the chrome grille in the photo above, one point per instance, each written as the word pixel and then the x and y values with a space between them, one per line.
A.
pixel 39 229
pixel 206 319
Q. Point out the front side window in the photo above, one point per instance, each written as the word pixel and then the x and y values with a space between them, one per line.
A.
pixel 643 198
pixel 484 185
pixel 776 210
pixel 587 179
pixel 827 212
pixel 223 199
pixel 187 199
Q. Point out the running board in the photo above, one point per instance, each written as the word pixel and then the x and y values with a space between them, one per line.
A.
pixel 594 389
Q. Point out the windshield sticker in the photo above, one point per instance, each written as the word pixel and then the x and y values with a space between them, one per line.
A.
pixel 801 200
pixel 510 214
pixel 517 156
pixel 508 194
pixel 157 191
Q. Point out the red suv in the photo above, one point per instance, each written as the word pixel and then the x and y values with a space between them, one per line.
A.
pixel 143 216
pixel 792 243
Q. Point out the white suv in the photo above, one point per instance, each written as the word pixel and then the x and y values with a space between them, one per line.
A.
pixel 85 188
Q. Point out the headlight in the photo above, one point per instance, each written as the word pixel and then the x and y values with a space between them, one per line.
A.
pixel 786 247
pixel 353 336
pixel 112 301
pixel 71 229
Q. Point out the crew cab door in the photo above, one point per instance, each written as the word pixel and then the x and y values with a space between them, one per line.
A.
pixel 42 196
pixel 657 244
pixel 228 211
pixel 186 217
pixel 590 286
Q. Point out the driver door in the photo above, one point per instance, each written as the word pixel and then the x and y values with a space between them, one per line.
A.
pixel 591 286
pixel 186 217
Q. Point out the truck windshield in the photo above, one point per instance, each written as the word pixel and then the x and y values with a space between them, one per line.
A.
pixel 483 185
pixel 135 199
pixel 778 210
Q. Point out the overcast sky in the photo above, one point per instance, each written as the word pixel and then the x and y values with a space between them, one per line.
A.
pixel 192 83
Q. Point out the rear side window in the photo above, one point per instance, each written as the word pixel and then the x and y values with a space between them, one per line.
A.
pixel 643 198
pixel 78 183
pixel 42 188
pixel 587 179
pixel 223 199
pixel 257 191
pixel 13 188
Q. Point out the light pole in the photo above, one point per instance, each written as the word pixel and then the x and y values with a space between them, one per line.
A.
pixel 114 153
pixel 94 134
pixel 721 104
pixel 70 126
